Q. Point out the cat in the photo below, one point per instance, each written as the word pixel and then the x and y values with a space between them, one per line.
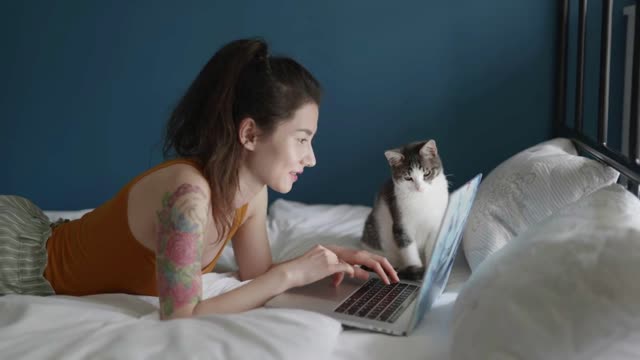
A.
pixel 408 209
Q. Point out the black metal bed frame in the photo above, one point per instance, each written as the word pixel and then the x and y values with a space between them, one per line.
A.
pixel 628 166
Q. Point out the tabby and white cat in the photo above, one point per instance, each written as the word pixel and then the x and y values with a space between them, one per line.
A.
pixel 408 209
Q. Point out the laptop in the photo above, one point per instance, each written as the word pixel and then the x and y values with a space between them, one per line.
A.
pixel 398 308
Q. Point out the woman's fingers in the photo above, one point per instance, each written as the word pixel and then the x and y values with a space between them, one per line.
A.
pixel 340 259
pixel 389 268
pixel 380 271
pixel 342 267
pixel 379 264
pixel 358 273
pixel 339 276
pixel 384 266
pixel 361 274
pixel 337 279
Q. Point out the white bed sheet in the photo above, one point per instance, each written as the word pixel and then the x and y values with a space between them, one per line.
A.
pixel 120 325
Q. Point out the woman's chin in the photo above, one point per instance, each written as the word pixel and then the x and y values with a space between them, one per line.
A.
pixel 282 188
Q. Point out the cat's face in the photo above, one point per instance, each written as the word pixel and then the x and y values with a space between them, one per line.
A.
pixel 415 165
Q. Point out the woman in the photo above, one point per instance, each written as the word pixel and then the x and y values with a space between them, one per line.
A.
pixel 245 123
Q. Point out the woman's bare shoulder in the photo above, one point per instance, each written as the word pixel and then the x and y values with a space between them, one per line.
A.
pixel 169 178
pixel 146 197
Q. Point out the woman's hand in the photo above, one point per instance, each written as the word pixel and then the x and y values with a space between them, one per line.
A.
pixel 379 264
pixel 314 265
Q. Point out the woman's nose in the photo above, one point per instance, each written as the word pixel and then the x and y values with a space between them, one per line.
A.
pixel 310 159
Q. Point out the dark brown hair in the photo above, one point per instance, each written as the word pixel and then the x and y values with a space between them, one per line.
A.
pixel 240 80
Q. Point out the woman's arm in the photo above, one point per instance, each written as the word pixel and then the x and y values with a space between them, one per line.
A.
pixel 252 295
pixel 316 264
pixel 181 223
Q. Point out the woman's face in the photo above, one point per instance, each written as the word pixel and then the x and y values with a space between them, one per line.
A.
pixel 279 158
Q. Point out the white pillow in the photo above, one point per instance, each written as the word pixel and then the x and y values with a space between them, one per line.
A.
pixel 567 288
pixel 525 189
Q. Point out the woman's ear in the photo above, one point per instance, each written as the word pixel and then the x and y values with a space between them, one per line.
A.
pixel 248 133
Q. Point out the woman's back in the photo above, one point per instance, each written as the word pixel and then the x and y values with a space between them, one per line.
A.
pixel 112 248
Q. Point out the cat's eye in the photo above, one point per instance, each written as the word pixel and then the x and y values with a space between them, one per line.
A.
pixel 427 174
pixel 408 178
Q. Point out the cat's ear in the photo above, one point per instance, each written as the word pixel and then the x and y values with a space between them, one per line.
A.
pixel 394 157
pixel 429 149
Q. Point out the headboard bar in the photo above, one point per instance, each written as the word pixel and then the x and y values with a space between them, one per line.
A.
pixel 611 158
pixel 635 94
pixel 562 65
pixel 605 65
pixel 626 162
pixel 582 34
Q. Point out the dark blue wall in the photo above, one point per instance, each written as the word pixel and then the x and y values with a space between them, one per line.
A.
pixel 87 86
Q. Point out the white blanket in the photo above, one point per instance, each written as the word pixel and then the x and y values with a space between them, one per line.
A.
pixel 119 326
pixel 566 288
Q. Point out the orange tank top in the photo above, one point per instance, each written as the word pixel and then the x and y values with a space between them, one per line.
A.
pixel 98 253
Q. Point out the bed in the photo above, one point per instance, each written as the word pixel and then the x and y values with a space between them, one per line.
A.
pixel 528 281
pixel 126 326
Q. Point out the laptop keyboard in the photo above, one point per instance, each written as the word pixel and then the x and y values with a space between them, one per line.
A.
pixel 377 301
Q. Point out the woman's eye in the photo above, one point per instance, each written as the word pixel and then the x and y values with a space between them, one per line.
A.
pixel 408 178
pixel 302 141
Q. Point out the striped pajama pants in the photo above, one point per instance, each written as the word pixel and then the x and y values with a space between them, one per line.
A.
pixel 24 230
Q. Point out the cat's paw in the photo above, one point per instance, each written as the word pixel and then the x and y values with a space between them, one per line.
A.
pixel 413 273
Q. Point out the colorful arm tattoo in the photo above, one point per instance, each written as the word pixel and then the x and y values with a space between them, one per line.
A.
pixel 181 224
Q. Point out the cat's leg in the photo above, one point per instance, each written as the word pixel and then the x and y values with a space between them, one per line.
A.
pixel 409 255
pixel 412 266
pixel 425 250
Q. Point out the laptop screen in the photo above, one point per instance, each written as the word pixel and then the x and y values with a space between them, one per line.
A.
pixel 446 246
